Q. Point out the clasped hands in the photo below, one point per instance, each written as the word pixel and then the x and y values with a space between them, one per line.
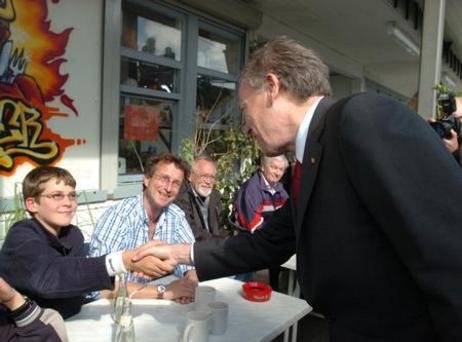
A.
pixel 152 260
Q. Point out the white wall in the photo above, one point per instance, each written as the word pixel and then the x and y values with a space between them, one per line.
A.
pixel 84 58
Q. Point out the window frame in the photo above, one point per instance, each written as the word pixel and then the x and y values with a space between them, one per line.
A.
pixel 184 100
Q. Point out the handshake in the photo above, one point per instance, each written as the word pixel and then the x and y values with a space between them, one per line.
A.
pixel 156 258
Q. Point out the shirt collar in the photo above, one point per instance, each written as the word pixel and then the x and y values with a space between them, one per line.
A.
pixel 267 184
pixel 302 133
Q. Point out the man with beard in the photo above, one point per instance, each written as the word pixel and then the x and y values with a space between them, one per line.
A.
pixel 201 202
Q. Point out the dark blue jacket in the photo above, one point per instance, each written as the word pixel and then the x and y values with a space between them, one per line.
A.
pixel 53 271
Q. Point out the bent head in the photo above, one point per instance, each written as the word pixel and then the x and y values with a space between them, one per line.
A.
pixel 280 73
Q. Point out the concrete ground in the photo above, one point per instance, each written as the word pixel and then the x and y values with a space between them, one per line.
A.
pixel 310 328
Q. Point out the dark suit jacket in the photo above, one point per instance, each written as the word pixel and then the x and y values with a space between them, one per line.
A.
pixel 378 233
pixel 187 202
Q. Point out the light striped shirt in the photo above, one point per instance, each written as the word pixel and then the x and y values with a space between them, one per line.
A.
pixel 125 226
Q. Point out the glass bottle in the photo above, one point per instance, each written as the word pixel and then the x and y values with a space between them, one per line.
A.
pixel 125 331
pixel 121 296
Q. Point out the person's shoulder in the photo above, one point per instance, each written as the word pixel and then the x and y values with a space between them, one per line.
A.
pixel 252 181
pixel 22 231
pixel 24 226
pixel 368 101
pixel 74 231
pixel 370 110
pixel 174 210
pixel 215 194
pixel 127 205
pixel 185 193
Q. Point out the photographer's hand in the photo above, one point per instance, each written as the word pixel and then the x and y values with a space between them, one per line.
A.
pixel 452 145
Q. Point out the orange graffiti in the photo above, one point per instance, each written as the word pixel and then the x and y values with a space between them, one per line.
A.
pixel 30 59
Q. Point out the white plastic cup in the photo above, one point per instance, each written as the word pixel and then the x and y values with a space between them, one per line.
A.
pixel 197 327
pixel 204 295
pixel 219 317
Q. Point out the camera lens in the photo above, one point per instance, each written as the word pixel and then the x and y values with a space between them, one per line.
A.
pixel 442 128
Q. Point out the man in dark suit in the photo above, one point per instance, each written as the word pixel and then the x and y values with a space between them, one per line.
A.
pixel 377 224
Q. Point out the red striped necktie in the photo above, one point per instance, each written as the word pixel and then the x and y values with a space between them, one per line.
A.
pixel 296 182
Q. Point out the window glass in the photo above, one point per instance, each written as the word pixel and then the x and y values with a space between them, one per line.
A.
pixel 157 34
pixel 146 75
pixel 218 53
pixel 145 129
pixel 216 100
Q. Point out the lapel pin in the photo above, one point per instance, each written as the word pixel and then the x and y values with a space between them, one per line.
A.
pixel 313 161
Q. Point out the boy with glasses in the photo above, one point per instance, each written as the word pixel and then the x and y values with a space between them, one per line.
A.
pixel 43 257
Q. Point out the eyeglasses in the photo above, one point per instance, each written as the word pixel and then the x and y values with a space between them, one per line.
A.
pixel 59 196
pixel 166 180
pixel 210 178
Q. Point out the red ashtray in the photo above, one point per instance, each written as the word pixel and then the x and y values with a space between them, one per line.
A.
pixel 256 291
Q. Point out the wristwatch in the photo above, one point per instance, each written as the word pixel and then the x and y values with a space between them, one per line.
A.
pixel 160 291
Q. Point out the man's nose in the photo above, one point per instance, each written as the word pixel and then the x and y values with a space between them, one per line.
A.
pixel 169 186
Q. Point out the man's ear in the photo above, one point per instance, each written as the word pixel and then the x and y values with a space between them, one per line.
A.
pixel 272 86
pixel 31 205
pixel 146 180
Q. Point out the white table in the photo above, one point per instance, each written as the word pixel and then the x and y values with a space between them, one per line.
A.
pixel 162 320
pixel 293 289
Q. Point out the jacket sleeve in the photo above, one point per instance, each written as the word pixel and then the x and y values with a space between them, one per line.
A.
pixel 247 252
pixel 249 205
pixel 412 186
pixel 34 325
pixel 46 273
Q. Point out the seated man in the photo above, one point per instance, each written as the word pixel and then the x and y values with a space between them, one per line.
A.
pixel 149 216
pixel 201 202
pixel 43 257
pixel 261 194
pixel 259 197
pixel 22 320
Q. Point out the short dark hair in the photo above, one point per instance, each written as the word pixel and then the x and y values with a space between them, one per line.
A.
pixel 165 158
pixel 32 183
pixel 301 73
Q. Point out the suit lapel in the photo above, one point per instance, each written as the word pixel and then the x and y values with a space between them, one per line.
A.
pixel 311 159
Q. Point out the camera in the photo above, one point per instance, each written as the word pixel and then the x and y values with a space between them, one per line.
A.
pixel 447 103
pixel 443 127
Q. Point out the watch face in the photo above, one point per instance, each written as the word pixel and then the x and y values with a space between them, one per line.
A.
pixel 161 289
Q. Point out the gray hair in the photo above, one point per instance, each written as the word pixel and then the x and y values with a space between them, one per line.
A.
pixel 202 157
pixel 301 73
pixel 265 160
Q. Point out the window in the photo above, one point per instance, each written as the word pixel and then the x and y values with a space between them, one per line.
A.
pixel 177 72
pixel 219 58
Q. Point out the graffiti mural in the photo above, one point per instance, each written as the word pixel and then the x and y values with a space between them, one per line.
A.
pixel 30 79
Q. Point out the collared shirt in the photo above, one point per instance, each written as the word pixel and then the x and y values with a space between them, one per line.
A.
pixel 302 133
pixel 269 188
pixel 125 226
